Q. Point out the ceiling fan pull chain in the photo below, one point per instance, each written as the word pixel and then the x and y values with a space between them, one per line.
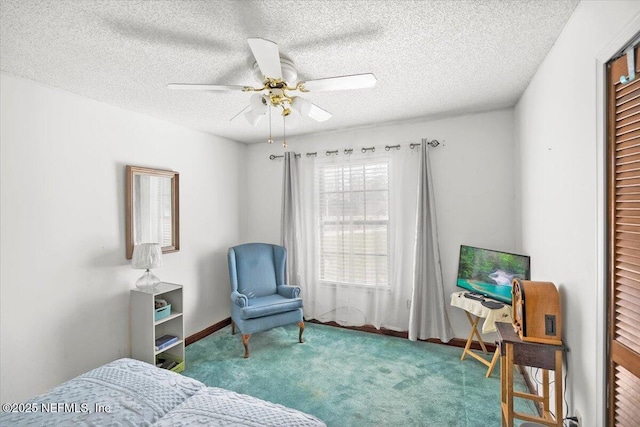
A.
pixel 284 131
pixel 270 138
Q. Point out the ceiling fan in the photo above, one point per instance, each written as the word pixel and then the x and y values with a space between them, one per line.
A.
pixel 279 89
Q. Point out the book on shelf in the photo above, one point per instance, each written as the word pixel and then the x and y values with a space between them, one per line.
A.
pixel 169 365
pixel 165 341
pixel 166 363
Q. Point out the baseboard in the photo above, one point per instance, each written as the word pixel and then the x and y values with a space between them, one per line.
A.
pixel 459 342
pixel 207 331
pixel 366 328
pixel 455 342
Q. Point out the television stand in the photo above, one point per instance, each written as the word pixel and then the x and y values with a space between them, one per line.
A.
pixel 475 311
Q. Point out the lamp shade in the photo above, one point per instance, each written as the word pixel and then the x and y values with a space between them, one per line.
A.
pixel 258 103
pixel 146 256
pixel 292 120
pixel 253 117
pixel 302 105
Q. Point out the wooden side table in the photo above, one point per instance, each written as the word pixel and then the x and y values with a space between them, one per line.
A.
pixel 548 357
pixel 476 311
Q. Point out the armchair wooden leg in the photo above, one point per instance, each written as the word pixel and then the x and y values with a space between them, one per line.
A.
pixel 245 342
pixel 233 327
pixel 301 324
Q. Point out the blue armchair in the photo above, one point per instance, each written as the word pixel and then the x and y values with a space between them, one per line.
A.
pixel 260 297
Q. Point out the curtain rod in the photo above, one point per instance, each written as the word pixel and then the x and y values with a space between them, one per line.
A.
pixel 273 157
pixel 433 143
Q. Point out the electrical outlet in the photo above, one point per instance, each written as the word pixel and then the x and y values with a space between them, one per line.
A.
pixel 579 417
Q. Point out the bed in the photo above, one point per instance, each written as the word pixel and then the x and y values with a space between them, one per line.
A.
pixel 129 392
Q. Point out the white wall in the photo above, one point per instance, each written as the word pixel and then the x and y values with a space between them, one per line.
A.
pixel 472 174
pixel 557 132
pixel 65 282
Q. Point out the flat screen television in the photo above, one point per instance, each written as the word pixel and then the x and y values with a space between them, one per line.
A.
pixel 490 273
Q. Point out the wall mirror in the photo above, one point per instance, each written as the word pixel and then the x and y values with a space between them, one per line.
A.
pixel 153 214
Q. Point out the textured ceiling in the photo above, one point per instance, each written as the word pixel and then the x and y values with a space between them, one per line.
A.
pixel 430 58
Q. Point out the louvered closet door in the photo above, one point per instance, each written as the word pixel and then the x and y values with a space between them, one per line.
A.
pixel 624 246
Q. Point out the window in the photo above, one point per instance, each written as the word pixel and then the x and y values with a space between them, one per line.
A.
pixel 353 205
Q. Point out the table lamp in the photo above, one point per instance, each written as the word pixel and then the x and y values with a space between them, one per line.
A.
pixel 145 257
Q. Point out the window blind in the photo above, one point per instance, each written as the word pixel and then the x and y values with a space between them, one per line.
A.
pixel 623 202
pixel 353 201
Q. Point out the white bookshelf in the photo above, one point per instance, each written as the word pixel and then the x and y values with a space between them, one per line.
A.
pixel 145 329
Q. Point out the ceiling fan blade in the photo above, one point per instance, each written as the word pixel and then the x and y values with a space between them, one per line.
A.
pixel 355 81
pixel 189 86
pixel 318 114
pixel 267 56
pixel 241 111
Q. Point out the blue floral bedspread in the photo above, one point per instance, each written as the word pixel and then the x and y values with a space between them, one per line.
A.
pixel 129 392
pixel 213 406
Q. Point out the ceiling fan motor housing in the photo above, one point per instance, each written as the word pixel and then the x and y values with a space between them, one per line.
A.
pixel 289 72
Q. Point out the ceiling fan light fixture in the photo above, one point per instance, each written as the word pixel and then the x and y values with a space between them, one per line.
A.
pixel 258 103
pixel 302 105
pixel 253 117
pixel 292 120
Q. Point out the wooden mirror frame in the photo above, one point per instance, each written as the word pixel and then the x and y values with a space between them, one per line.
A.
pixel 131 171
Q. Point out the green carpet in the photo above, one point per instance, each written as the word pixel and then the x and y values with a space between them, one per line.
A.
pixel 349 378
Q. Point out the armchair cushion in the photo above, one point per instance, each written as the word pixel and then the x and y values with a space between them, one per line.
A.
pixel 268 305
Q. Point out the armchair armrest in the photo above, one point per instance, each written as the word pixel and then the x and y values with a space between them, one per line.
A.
pixel 289 291
pixel 239 299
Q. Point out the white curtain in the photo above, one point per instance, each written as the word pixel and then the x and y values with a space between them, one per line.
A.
pixel 429 317
pixel 291 226
pixel 350 236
